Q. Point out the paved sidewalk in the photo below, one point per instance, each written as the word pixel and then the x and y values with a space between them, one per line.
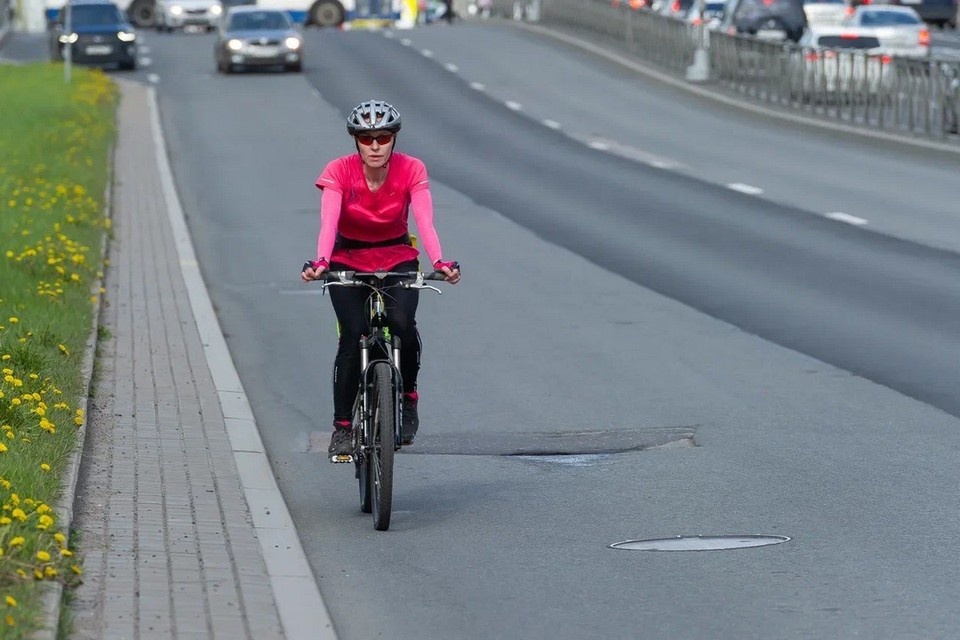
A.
pixel 170 547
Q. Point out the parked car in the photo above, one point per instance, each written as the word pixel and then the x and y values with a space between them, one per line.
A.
pixel 900 30
pixel 825 13
pixel 177 14
pixel 97 32
pixel 249 36
pixel 764 19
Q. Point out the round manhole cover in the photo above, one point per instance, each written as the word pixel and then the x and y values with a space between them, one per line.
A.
pixel 699 543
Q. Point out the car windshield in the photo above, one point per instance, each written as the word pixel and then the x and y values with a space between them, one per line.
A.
pixel 847 42
pixel 256 20
pixel 87 15
pixel 887 19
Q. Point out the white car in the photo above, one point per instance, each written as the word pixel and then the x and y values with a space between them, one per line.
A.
pixel 834 60
pixel 824 13
pixel 900 30
pixel 177 14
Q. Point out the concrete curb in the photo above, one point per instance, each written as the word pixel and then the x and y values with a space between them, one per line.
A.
pixel 300 606
pixel 882 138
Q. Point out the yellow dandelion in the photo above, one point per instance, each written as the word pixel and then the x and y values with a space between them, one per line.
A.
pixel 15 499
pixel 22 573
pixel 13 319
pixel 60 538
pixel 49 572
pixel 42 509
pixel 63 349
pixel 5 356
pixel 66 553
pixel 43 556
pixel 18 514
pixel 16 541
pixel 15 401
pixel 76 569
pixel 45 467
pixel 37 574
pixel 45 522
pixel 4 520
pixel 11 601
pixel 3 448
pixel 9 620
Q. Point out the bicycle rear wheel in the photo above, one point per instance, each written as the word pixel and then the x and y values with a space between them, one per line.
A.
pixel 383 440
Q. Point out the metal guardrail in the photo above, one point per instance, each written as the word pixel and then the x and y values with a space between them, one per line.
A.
pixel 913 96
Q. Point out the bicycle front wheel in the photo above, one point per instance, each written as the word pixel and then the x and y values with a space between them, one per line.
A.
pixel 382 444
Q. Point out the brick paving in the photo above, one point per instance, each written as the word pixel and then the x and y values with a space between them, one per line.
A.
pixel 170 548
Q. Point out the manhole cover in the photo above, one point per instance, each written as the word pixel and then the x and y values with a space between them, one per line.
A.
pixel 699 543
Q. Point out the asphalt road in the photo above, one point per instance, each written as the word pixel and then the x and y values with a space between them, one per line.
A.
pixel 813 362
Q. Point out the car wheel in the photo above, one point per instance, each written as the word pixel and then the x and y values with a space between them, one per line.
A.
pixel 326 13
pixel 128 66
pixel 295 68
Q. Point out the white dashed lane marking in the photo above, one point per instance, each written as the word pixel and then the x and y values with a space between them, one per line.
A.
pixel 846 217
pixel 154 78
pixel 406 42
pixel 745 188
pixel 513 106
pixel 426 53
pixel 553 124
pixel 476 86
pixel 452 68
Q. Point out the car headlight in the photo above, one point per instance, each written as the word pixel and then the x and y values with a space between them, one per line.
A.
pixel 292 43
pixel 216 9
pixel 68 39
pixel 127 36
pixel 176 10
pixel 235 45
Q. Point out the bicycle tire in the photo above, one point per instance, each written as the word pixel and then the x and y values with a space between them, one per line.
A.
pixel 382 441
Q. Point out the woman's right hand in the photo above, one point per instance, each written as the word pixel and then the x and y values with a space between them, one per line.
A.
pixel 313 270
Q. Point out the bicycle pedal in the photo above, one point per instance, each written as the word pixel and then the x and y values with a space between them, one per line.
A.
pixel 340 459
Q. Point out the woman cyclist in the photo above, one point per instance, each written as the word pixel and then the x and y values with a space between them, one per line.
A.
pixel 363 227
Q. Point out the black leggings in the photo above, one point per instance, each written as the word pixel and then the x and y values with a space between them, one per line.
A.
pixel 350 305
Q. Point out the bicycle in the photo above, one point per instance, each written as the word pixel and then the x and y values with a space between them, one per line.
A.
pixel 377 415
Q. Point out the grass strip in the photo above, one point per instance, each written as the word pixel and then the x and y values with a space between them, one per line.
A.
pixel 55 139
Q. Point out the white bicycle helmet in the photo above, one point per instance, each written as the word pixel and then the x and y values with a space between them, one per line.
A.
pixel 373 115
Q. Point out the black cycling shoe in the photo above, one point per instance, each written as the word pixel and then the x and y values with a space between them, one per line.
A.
pixel 341 443
pixel 409 419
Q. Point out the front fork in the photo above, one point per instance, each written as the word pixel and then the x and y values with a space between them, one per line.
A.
pixel 366 404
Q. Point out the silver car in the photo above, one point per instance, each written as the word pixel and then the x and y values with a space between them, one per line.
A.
pixel 177 14
pixel 900 30
pixel 252 37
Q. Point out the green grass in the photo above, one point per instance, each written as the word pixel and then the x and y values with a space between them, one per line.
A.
pixel 54 140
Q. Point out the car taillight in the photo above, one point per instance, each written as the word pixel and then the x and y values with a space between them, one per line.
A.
pixel 849 11
pixel 675 7
pixel 924 40
pixel 697 21
pixel 886 59
pixel 848 36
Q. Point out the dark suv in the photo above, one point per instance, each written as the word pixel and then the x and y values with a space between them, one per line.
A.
pixel 97 32
pixel 766 19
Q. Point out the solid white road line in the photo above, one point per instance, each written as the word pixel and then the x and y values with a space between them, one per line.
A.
pixel 846 217
pixel 745 188
pixel 302 611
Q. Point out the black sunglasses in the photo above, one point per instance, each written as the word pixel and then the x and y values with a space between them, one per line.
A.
pixel 367 140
